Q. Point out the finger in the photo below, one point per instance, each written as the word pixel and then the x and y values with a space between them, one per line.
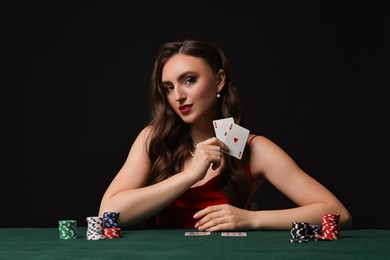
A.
pixel 215 224
pixel 206 222
pixel 212 224
pixel 220 227
pixel 208 215
pixel 217 142
pixel 215 166
pixel 213 155
pixel 207 210
pixel 222 145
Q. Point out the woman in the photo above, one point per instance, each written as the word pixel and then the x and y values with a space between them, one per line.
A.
pixel 177 174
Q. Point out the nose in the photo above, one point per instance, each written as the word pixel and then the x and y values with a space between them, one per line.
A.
pixel 179 94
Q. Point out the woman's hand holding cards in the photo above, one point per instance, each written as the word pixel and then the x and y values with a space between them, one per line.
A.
pixel 208 152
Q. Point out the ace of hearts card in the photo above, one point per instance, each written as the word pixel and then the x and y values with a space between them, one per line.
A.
pixel 233 135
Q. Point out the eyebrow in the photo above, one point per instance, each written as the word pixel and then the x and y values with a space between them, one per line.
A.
pixel 181 76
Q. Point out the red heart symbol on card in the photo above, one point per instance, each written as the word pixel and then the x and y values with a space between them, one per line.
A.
pixel 235 139
pixel 225 133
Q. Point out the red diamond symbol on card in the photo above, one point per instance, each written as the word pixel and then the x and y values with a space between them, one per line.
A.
pixel 235 139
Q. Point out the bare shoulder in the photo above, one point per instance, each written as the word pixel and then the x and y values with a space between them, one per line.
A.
pixel 265 155
pixel 146 131
pixel 264 148
pixel 144 134
pixel 142 141
pixel 259 142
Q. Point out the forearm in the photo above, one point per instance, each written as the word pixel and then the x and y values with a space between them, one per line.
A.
pixel 282 219
pixel 136 205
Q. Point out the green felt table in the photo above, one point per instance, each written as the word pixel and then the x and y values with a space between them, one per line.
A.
pixel 45 243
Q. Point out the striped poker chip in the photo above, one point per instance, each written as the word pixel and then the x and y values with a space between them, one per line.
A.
pixel 94 236
pixel 67 229
pixel 314 230
pixel 112 232
pixel 329 230
pixel 105 227
pixel 300 232
pixel 111 225
pixel 111 219
pixel 330 227
pixel 298 240
pixel 95 228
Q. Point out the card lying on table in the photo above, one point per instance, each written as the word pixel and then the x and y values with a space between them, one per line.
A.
pixel 233 234
pixel 197 233
pixel 233 135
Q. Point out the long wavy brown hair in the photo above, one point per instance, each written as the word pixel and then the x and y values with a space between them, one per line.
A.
pixel 170 141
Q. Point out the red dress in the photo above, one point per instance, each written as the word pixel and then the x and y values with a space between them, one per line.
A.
pixel 179 214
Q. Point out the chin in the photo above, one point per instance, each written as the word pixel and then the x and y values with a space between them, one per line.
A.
pixel 187 119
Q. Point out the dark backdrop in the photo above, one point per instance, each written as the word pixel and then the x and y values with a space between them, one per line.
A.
pixel 313 77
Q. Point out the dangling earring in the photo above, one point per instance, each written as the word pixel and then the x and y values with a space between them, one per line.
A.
pixel 218 95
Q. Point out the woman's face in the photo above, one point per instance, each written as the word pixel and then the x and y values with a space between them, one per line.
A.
pixel 191 88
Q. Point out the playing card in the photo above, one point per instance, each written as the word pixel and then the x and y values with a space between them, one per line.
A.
pixel 197 233
pixel 236 140
pixel 222 126
pixel 233 234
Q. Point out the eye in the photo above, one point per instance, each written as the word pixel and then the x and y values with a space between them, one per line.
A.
pixel 168 88
pixel 190 80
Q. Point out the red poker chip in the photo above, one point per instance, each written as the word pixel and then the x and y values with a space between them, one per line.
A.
pixel 330 227
pixel 112 232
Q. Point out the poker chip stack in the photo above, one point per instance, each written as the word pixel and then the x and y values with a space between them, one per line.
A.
pixel 314 230
pixel 300 232
pixel 111 220
pixel 95 228
pixel 330 227
pixel 67 229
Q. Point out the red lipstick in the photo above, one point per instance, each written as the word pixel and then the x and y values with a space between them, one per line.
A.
pixel 185 109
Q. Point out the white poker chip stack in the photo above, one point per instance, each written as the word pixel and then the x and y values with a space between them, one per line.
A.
pixel 95 228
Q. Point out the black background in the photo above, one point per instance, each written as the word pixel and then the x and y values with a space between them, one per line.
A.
pixel 312 75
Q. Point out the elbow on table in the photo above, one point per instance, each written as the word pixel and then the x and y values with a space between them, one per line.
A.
pixel 345 219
